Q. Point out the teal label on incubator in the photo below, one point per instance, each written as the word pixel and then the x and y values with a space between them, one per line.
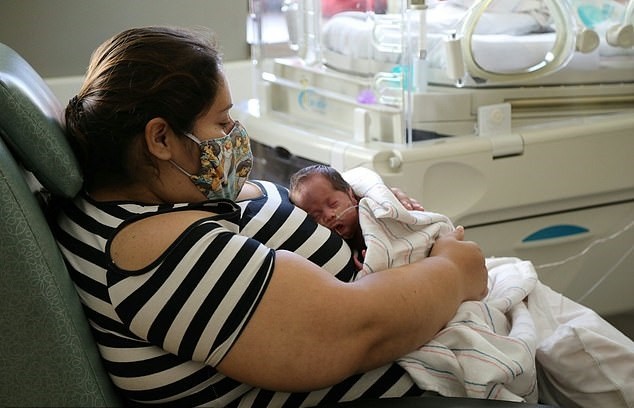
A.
pixel 310 100
pixel 555 231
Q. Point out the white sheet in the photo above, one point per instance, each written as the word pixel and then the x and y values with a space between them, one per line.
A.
pixel 478 354
pixel 488 350
pixel 519 35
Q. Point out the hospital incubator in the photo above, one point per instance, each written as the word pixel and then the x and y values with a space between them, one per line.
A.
pixel 514 118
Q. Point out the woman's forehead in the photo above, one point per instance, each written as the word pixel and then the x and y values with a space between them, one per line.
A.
pixel 223 100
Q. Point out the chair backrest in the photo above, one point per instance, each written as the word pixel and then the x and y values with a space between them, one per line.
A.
pixel 47 352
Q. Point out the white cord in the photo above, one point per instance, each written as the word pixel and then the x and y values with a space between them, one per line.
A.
pixel 341 214
pixel 605 276
pixel 585 251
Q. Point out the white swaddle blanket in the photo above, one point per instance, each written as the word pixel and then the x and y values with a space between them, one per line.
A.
pixel 487 350
pixel 393 236
pixel 490 347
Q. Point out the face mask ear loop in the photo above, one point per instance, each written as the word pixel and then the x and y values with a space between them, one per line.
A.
pixel 195 140
pixel 182 170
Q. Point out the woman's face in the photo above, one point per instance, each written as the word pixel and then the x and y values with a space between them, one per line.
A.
pixel 217 121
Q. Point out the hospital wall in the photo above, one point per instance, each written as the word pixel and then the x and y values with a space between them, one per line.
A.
pixel 58 36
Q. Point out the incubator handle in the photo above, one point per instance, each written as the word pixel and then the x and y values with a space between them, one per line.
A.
pixel 555 59
pixel 389 88
pixel 621 36
pixel 587 40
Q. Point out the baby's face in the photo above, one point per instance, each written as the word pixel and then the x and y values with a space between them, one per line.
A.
pixel 329 207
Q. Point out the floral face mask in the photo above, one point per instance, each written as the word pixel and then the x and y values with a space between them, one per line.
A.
pixel 225 164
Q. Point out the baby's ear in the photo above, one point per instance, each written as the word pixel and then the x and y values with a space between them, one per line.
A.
pixel 353 196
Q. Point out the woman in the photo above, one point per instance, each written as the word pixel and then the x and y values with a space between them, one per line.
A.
pixel 205 289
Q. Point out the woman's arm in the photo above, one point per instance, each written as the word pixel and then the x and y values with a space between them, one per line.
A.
pixel 311 330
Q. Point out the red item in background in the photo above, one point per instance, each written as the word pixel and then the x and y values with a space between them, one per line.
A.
pixel 331 7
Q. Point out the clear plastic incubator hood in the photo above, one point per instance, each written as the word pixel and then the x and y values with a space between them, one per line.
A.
pixel 514 118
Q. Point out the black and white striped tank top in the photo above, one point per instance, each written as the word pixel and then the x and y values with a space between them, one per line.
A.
pixel 161 330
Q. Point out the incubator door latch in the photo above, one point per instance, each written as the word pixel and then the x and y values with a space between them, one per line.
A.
pixel 494 122
pixel 507 145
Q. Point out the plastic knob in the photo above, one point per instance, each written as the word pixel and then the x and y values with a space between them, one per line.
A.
pixel 620 36
pixel 587 41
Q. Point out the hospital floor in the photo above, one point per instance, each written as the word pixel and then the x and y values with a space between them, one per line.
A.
pixel 624 322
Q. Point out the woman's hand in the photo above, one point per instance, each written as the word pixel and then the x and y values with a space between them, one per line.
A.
pixel 407 201
pixel 468 259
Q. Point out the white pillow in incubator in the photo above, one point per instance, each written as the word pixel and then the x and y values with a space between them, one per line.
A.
pixel 446 17
pixel 351 33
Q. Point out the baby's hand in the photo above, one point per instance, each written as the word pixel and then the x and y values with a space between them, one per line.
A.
pixel 358 260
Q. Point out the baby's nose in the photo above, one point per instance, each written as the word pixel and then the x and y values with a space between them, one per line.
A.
pixel 327 217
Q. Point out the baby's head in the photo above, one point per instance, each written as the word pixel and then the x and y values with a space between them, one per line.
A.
pixel 322 192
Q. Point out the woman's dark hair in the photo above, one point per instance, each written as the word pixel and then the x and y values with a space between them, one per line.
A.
pixel 137 75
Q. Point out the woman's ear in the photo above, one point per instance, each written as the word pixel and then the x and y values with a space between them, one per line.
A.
pixel 158 138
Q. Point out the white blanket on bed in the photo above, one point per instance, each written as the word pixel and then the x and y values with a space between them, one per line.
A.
pixel 488 350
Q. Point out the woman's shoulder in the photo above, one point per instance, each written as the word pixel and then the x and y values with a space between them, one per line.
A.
pixel 133 234
pixel 262 190
pixel 267 202
pixel 140 242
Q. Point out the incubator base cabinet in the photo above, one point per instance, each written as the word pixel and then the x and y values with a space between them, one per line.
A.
pixel 535 161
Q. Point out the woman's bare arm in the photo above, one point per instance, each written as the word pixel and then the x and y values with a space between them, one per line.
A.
pixel 311 330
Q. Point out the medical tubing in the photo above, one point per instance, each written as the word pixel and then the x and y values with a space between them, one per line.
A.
pixel 555 59
pixel 605 276
pixel 419 60
pixel 586 250
pixel 341 214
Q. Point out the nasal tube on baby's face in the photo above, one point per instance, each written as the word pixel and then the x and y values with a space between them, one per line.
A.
pixel 341 214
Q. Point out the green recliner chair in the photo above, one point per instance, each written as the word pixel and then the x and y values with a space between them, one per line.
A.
pixel 47 352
